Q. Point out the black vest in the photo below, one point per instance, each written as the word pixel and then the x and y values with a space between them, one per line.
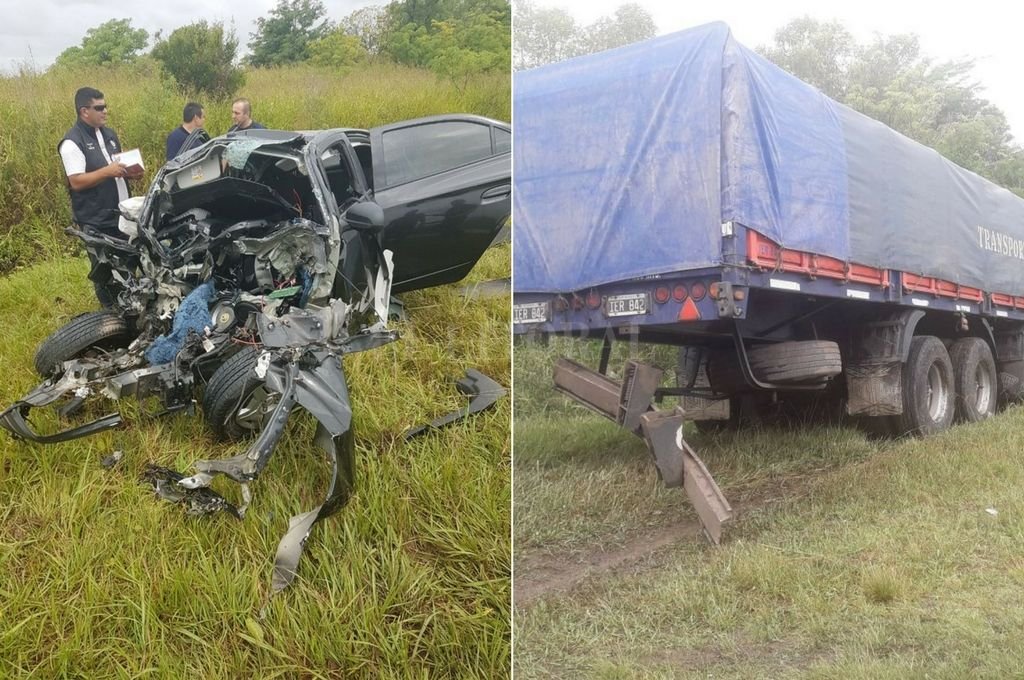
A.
pixel 97 206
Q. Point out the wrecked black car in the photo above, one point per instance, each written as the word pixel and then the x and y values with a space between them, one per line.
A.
pixel 251 266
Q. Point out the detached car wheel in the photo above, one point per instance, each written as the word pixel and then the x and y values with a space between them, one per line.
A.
pixel 90 333
pixel 237 403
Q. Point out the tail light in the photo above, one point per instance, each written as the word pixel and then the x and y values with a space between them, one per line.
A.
pixel 560 304
pixel 698 291
pixel 714 289
pixel 661 294
pixel 593 299
pixel 679 292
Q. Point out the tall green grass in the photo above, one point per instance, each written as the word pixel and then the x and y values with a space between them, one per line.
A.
pixel 412 579
pixel 37 109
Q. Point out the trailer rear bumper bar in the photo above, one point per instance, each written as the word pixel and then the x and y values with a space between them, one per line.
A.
pixel 629 405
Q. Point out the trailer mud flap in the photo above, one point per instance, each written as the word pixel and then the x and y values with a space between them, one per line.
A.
pixel 874 389
pixel 678 465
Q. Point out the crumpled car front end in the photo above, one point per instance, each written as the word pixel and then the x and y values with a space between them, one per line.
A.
pixel 230 285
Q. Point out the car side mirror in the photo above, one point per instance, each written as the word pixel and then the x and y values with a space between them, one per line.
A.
pixel 366 216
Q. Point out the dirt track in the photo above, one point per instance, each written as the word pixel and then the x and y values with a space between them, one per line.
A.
pixel 543 574
pixel 536 576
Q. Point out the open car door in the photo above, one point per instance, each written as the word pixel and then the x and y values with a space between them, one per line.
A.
pixel 445 184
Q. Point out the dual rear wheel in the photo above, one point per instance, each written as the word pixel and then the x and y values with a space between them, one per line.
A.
pixel 941 386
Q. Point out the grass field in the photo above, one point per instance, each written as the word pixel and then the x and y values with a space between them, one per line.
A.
pixel 411 579
pixel 849 558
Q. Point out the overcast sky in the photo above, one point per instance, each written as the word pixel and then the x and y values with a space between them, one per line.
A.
pixel 39 30
pixel 985 30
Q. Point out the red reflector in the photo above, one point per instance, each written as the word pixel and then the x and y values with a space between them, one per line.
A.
pixel 689 312
pixel 679 293
pixel 593 299
pixel 698 291
pixel 661 294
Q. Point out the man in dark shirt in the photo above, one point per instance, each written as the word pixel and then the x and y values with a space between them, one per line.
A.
pixel 241 114
pixel 193 117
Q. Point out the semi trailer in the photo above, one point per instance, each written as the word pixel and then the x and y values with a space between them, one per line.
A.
pixel 686 191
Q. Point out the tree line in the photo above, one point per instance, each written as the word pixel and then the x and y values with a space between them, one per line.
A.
pixel 454 38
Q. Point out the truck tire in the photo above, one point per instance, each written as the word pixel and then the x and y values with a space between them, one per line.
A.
pixel 929 392
pixel 974 377
pixel 236 403
pixel 804 361
pixel 798 363
pixel 89 333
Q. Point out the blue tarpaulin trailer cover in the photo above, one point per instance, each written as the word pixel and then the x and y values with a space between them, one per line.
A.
pixel 627 162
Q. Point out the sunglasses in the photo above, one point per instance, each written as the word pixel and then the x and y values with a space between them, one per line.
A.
pixel 99 107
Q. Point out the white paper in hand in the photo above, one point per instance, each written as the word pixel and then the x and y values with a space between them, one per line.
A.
pixel 132 159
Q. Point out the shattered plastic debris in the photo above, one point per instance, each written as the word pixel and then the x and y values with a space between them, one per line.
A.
pixel 992 511
pixel 199 501
pixel 113 459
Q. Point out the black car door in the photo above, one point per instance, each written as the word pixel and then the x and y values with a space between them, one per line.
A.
pixel 444 183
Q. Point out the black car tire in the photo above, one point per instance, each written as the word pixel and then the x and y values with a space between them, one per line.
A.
pixel 236 401
pixel 928 388
pixel 974 376
pixel 92 332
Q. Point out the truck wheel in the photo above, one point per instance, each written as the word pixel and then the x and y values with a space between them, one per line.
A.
pixel 796 362
pixel 237 403
pixel 88 334
pixel 974 375
pixel 928 388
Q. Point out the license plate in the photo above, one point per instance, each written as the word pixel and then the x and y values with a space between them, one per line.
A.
pixel 625 305
pixel 530 312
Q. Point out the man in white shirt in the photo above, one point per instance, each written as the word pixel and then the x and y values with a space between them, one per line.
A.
pixel 96 185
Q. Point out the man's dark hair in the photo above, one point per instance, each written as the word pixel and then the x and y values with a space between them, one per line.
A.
pixel 84 97
pixel 192 109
